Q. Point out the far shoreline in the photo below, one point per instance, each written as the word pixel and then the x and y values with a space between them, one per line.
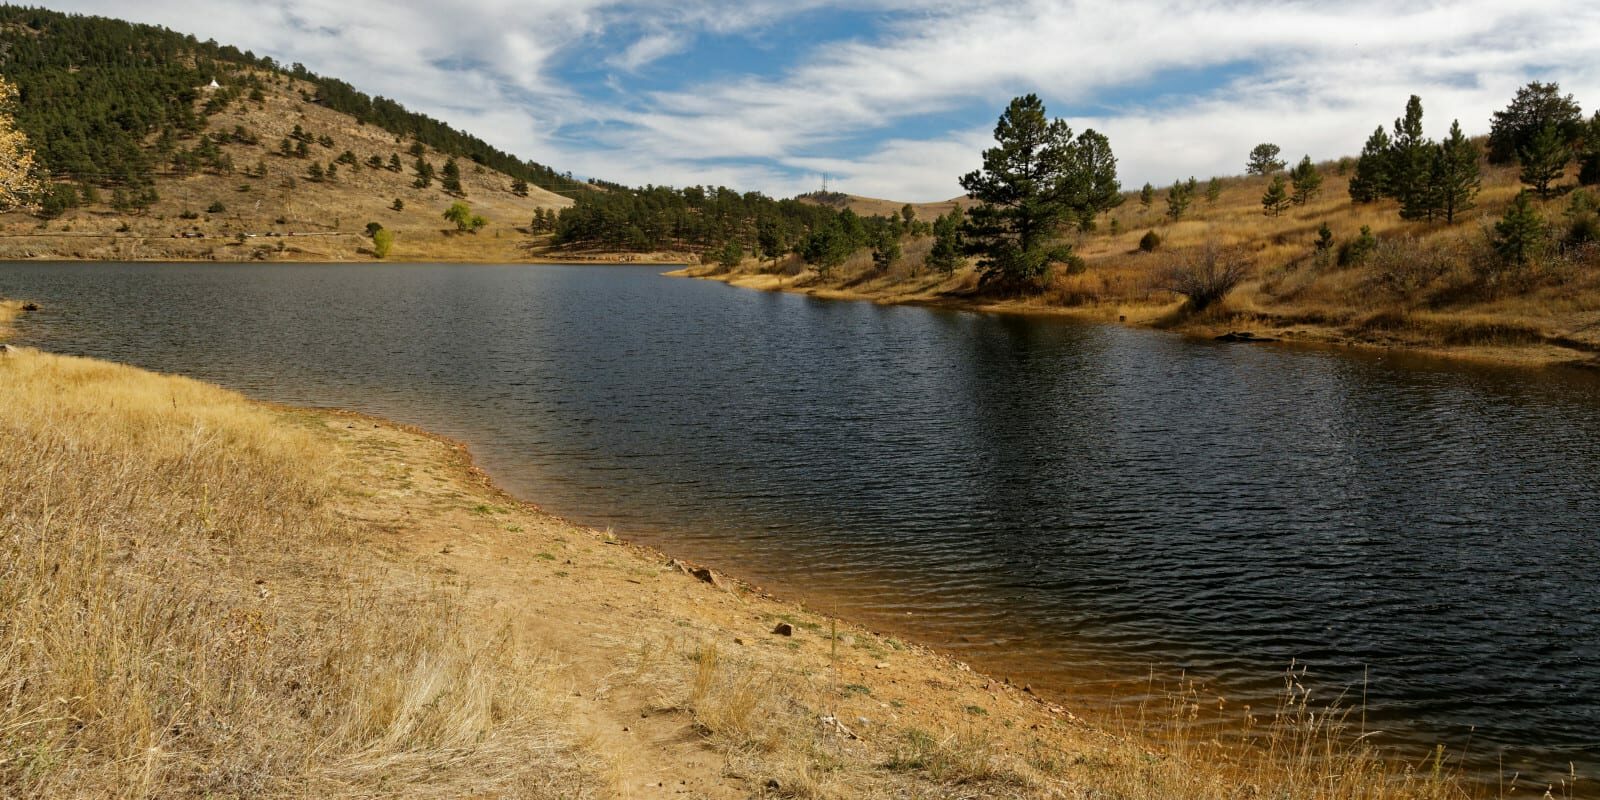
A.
pixel 1155 318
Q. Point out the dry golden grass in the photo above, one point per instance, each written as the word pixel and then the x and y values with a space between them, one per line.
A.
pixel 184 616
pixel 9 310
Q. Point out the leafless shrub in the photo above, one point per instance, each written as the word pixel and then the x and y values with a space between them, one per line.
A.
pixel 1207 275
pixel 1403 266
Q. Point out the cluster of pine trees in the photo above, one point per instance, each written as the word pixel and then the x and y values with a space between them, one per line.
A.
pixel 1431 180
pixel 696 218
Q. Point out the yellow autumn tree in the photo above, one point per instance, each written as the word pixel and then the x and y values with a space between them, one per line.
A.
pixel 19 184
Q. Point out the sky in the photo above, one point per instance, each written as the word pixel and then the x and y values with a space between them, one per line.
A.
pixel 898 98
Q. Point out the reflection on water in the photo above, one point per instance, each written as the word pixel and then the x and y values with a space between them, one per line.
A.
pixel 1047 499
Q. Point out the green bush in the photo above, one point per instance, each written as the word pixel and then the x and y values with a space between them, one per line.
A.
pixel 382 242
pixel 1355 252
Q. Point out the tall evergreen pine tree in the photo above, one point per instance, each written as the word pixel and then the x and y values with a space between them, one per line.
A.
pixel 1371 181
pixel 1544 159
pixel 1411 165
pixel 1307 181
pixel 1455 173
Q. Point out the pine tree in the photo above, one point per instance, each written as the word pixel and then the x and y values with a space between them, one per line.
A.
pixel 1033 180
pixel 1324 241
pixel 1411 165
pixel 314 172
pixel 885 249
pixel 399 205
pixel 731 255
pixel 1455 173
pixel 519 187
pixel 450 178
pixel 1178 199
pixel 1307 181
pixel 1589 157
pixel 1147 196
pixel 1096 169
pixel 424 172
pixel 1276 199
pixel 1519 235
pixel 769 238
pixel 1544 159
pixel 1213 191
pixel 1264 159
pixel 947 244
pixel 394 163
pixel 1371 181
pixel 1537 106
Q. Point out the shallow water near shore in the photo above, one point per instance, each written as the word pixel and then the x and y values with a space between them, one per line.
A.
pixel 1076 506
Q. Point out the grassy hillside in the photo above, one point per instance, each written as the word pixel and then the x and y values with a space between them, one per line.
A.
pixel 1425 285
pixel 875 207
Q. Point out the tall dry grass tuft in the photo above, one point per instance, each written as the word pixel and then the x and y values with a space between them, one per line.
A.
pixel 1301 748
pixel 182 614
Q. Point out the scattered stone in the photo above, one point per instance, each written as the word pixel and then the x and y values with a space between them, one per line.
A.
pixel 772 783
pixel 4 350
pixel 1027 688
pixel 705 575
pixel 30 307
pixel 784 629
pixel 738 640
pixel 1243 336
pixel 832 723
pixel 882 665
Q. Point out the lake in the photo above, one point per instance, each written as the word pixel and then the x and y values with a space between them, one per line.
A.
pixel 1071 505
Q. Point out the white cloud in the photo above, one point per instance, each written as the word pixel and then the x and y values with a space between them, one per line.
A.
pixel 1315 78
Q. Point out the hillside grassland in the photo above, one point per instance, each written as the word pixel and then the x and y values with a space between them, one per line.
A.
pixel 206 596
pixel 1427 286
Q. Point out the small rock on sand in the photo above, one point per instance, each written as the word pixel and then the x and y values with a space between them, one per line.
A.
pixel 784 629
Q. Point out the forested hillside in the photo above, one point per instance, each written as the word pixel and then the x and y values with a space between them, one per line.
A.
pixel 94 90
pixel 150 144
